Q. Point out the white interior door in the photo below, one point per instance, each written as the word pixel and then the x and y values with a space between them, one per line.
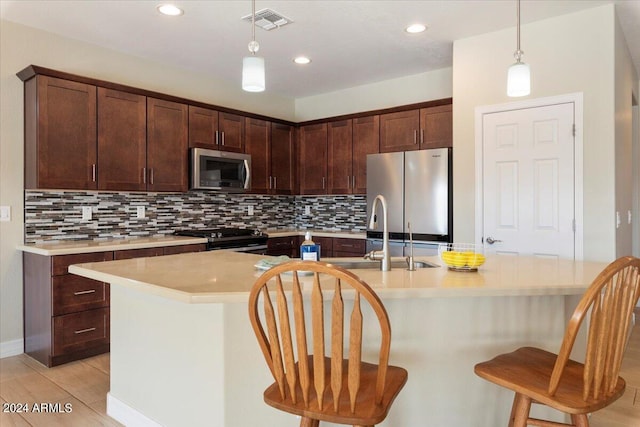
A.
pixel 528 181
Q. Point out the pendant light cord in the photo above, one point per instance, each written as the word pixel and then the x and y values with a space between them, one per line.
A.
pixel 253 21
pixel 518 53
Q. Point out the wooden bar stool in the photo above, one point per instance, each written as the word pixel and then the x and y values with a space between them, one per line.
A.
pixel 537 376
pixel 308 382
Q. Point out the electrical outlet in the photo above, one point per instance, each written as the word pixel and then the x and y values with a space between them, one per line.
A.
pixel 250 210
pixel 86 213
pixel 5 213
pixel 307 210
pixel 140 212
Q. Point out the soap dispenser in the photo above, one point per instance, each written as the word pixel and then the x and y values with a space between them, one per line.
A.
pixel 309 251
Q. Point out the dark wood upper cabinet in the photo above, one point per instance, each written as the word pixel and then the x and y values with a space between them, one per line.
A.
pixel 203 127
pixel 313 155
pixel 400 131
pixel 60 134
pixel 231 132
pixel 167 151
pixel 216 130
pixel 340 157
pixel 436 127
pixel 366 140
pixel 257 145
pixel 122 140
pixel 283 159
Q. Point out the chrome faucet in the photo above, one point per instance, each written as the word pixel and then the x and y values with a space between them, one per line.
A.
pixel 383 256
pixel 410 263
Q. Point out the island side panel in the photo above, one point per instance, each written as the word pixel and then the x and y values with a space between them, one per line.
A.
pixel 438 340
pixel 167 360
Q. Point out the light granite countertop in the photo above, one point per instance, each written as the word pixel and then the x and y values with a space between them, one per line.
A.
pixel 226 276
pixel 345 234
pixel 64 247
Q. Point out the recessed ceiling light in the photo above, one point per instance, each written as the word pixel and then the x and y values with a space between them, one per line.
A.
pixel 415 28
pixel 302 60
pixel 170 10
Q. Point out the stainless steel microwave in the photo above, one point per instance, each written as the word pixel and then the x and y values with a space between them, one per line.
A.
pixel 220 170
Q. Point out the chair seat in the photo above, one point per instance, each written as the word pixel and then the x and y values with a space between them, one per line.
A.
pixel 528 371
pixel 366 412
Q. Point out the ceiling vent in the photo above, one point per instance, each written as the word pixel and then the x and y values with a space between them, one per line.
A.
pixel 268 19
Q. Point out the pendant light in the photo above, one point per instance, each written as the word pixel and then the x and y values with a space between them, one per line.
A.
pixel 519 74
pixel 253 66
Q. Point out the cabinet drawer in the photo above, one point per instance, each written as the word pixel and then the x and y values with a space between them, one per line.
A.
pixel 61 263
pixel 348 245
pixel 73 293
pixel 138 253
pixel 181 249
pixel 80 331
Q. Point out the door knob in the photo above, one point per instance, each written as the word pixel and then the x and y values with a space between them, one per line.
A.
pixel 491 240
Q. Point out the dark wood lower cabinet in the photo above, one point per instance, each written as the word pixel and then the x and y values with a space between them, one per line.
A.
pixel 329 246
pixel 66 317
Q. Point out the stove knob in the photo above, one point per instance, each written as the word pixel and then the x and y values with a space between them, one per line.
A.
pixel 219 235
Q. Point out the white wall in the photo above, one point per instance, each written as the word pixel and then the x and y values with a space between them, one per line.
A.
pixel 21 46
pixel 569 53
pixel 626 89
pixel 375 96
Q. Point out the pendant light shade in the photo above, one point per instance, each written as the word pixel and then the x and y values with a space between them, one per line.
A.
pixel 253 74
pixel 519 80
pixel 519 74
pixel 253 66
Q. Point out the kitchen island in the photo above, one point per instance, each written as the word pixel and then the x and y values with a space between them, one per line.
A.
pixel 183 351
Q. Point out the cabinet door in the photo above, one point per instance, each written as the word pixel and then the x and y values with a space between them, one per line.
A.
pixel 277 246
pixel 60 134
pixel 436 127
pixel 167 129
pixel 313 155
pixel 283 159
pixel 366 140
pixel 340 157
pixel 184 249
pixel 399 131
pixel 326 246
pixel 231 132
pixel 122 140
pixel 257 145
pixel 203 125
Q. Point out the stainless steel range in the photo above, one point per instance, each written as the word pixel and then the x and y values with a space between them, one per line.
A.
pixel 236 239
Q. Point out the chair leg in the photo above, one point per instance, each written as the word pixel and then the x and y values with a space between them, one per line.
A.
pixel 520 411
pixel 580 420
pixel 309 422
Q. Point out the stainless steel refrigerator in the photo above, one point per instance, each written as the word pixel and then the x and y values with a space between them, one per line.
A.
pixel 417 186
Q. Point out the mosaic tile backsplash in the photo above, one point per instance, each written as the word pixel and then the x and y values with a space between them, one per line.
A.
pixel 57 215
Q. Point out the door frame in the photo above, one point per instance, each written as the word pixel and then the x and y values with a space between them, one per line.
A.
pixel 578 189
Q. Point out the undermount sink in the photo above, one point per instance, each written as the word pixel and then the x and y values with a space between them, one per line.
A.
pixel 397 264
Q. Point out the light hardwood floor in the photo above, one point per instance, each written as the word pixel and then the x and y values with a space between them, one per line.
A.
pixel 84 385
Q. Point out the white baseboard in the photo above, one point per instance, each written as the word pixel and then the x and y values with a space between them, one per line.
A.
pixel 126 415
pixel 11 348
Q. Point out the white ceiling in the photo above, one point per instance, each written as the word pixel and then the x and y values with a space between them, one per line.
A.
pixel 350 42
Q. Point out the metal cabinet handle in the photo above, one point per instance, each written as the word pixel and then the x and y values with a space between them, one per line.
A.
pixel 217 138
pixel 421 136
pixel 323 182
pixel 83 331
pixel 275 182
pixel 354 182
pixel 88 291
pixel 270 179
pixel 222 137
pixel 491 240
pixel 144 175
pixel 415 136
pixel 93 172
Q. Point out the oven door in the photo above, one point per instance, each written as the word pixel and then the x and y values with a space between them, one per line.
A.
pixel 220 170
